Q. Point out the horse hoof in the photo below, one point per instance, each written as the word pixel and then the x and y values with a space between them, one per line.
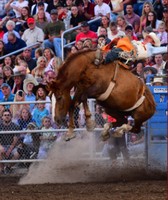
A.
pixel 69 137
pixel 90 125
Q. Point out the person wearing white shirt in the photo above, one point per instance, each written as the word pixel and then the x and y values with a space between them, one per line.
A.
pixel 102 9
pixel 16 6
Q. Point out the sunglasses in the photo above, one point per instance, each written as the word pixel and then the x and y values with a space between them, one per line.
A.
pixel 6 115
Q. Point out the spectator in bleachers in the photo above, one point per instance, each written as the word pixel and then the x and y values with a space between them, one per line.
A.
pixel 41 7
pixel 34 8
pixel 2 52
pixel 129 31
pixel 54 4
pixel 16 6
pixel 16 108
pixel 151 20
pixel 8 96
pixel 39 112
pixel 38 53
pixel 41 19
pixel 105 22
pixel 139 69
pixel 25 14
pixel 57 62
pixel 38 71
pixel 24 118
pixel 165 17
pixel 148 70
pixel 117 8
pixel 88 7
pixel 49 76
pixel 103 31
pixel 79 44
pixel 102 9
pixel 159 64
pixel 76 18
pixel 53 33
pixel 7 74
pixel 162 34
pixel 132 18
pixel 14 43
pixel 47 138
pixel 69 4
pixel 8 62
pixel 147 7
pixel 121 23
pixel 18 81
pixel 10 26
pixel 28 85
pixel 1 82
pixel 29 60
pixel 41 93
pixel 87 33
pixel 87 44
pixel 158 81
pixel 8 142
pixel 33 34
pixel 49 55
pixel 74 49
pixel 2 8
pixel 115 33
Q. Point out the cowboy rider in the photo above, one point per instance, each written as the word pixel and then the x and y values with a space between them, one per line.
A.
pixel 129 50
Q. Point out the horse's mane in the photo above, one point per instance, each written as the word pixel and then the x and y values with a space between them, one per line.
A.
pixel 72 57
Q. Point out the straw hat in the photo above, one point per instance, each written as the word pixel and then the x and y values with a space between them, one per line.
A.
pixel 157 80
pixel 32 80
pixel 155 39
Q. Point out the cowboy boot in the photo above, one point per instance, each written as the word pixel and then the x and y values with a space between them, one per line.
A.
pixel 98 57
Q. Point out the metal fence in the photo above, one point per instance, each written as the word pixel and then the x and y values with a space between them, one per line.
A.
pixel 35 141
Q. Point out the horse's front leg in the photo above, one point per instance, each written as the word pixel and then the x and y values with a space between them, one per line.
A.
pixel 90 124
pixel 70 134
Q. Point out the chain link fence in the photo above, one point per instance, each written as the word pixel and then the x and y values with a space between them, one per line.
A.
pixel 27 136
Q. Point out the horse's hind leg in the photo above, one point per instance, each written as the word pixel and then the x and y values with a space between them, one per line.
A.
pixel 90 124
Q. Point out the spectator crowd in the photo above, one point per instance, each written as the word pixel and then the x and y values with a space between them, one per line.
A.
pixel 37 26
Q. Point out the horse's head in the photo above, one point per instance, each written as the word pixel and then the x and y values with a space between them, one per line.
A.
pixel 61 101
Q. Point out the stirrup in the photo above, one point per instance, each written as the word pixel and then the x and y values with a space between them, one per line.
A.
pixel 127 56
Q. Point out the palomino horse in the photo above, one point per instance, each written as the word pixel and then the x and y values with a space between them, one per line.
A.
pixel 115 88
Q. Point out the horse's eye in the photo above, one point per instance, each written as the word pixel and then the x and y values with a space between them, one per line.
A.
pixel 59 98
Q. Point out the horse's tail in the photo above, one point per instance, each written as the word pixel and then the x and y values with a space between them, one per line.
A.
pixel 148 95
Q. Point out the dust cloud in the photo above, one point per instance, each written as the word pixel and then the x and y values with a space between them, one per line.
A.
pixel 74 161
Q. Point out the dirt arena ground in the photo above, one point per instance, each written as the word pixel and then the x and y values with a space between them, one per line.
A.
pixel 117 190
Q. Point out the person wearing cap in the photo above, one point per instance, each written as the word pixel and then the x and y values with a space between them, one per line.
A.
pixel 148 73
pixel 53 32
pixel 129 31
pixel 14 43
pixel 33 34
pixel 16 6
pixel 18 81
pixel 7 94
pixel 87 33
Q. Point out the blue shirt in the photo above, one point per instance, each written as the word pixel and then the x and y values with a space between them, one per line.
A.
pixel 38 116
pixel 9 99
pixel 31 97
